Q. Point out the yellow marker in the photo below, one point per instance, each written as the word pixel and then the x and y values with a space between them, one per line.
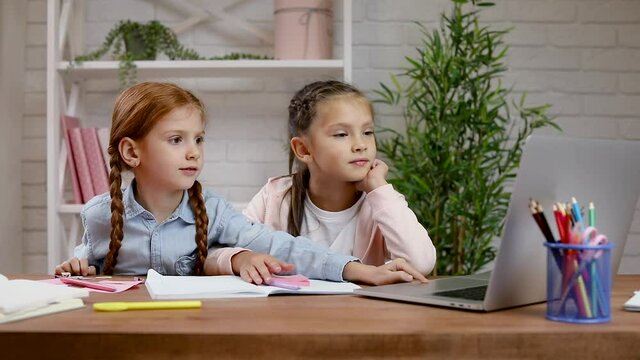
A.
pixel 147 305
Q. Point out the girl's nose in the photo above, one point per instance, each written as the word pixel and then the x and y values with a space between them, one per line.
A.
pixel 193 153
pixel 359 146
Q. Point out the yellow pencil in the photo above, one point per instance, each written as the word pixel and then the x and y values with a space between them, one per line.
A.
pixel 583 292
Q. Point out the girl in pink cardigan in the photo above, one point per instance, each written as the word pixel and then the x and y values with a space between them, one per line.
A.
pixel 338 195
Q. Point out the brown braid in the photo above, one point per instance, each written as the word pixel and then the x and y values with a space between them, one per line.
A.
pixel 202 224
pixel 135 112
pixel 300 182
pixel 117 209
pixel 302 110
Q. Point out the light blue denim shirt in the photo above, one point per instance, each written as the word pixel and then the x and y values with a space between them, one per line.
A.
pixel 169 247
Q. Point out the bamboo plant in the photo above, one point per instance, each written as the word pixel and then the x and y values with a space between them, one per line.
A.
pixel 463 137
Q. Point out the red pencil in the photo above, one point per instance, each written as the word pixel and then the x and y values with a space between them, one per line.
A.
pixel 560 216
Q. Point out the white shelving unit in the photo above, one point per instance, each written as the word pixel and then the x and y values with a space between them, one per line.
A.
pixel 211 68
pixel 65 20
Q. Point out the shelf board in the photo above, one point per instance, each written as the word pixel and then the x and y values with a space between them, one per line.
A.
pixel 70 208
pixel 208 68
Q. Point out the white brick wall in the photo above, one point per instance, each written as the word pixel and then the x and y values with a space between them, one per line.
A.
pixel 583 57
pixel 33 150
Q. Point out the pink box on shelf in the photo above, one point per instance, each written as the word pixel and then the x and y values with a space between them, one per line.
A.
pixel 303 29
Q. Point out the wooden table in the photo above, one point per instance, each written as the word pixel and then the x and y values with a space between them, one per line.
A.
pixel 345 326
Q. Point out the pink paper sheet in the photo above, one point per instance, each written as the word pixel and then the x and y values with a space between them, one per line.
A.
pixel 120 286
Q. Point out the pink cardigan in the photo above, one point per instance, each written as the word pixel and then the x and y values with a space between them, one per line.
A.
pixel 386 227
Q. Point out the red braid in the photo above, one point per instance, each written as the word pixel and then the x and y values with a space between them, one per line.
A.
pixel 202 225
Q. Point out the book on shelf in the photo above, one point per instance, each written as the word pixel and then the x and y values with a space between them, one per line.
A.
pixel 228 286
pixel 80 162
pixel 22 299
pixel 95 160
pixel 103 139
pixel 68 123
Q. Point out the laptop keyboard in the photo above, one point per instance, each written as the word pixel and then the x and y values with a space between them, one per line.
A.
pixel 472 293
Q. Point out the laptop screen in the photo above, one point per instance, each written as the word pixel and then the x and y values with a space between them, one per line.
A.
pixel 552 169
pixel 555 169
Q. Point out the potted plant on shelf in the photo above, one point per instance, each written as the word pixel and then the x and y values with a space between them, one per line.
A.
pixel 463 137
pixel 129 41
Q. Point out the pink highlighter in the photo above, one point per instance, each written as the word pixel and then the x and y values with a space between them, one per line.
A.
pixel 87 284
pixel 291 282
pixel 283 284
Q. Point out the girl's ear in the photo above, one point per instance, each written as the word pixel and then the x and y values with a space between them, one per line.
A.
pixel 300 149
pixel 129 152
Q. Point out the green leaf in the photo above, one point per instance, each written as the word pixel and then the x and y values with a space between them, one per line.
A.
pixel 129 41
pixel 457 156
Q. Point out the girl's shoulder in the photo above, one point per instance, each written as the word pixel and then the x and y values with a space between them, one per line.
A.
pixel 278 184
pixel 98 202
pixel 212 199
pixel 98 206
pixel 208 195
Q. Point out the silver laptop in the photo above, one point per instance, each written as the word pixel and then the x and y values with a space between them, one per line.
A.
pixel 606 172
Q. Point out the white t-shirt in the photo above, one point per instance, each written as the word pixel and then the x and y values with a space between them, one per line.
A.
pixel 336 230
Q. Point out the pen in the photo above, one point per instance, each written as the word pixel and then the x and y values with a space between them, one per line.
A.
pixel 87 284
pixel 147 305
pixel 68 275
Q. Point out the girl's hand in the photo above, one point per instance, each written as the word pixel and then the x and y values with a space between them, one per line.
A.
pixel 256 267
pixel 375 178
pixel 76 266
pixel 392 272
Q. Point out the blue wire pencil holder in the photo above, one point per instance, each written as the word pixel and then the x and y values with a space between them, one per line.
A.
pixel 579 283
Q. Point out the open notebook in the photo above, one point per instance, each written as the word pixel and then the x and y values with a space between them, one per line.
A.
pixel 228 286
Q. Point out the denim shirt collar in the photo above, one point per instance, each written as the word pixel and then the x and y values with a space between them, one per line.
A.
pixel 133 208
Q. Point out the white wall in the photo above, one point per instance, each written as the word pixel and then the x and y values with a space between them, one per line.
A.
pixel 581 56
pixel 33 150
pixel 12 40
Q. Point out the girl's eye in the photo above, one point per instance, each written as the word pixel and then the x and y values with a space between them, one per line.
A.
pixel 175 140
pixel 199 140
pixel 369 132
pixel 340 135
